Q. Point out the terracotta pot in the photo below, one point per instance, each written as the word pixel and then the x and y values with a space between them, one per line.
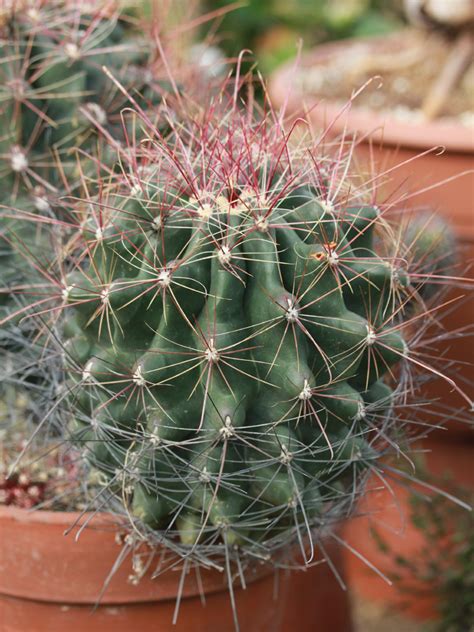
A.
pixel 49 583
pixel 389 516
pixel 387 142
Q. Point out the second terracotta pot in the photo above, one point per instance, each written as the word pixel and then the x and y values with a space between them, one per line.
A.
pixel 416 175
pixel 383 531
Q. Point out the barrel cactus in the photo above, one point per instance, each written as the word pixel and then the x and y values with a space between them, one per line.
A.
pixel 231 308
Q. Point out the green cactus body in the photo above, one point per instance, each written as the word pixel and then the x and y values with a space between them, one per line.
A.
pixel 232 321
pixel 230 307
pixel 233 353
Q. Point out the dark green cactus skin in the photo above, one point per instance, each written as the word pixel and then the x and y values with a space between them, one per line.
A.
pixel 224 366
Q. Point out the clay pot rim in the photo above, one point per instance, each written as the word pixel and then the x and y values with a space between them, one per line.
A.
pixel 119 592
pixel 65 518
pixel 379 126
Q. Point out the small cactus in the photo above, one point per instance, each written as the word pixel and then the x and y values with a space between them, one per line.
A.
pixel 54 97
pixel 433 247
pixel 55 92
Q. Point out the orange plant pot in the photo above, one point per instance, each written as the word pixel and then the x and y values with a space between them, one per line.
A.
pixel 51 583
pixel 395 147
pixel 389 516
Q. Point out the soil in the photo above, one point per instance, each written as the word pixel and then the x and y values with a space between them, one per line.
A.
pixel 49 475
pixel 401 68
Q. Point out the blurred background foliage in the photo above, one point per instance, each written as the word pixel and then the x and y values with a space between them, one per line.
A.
pixel 271 29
